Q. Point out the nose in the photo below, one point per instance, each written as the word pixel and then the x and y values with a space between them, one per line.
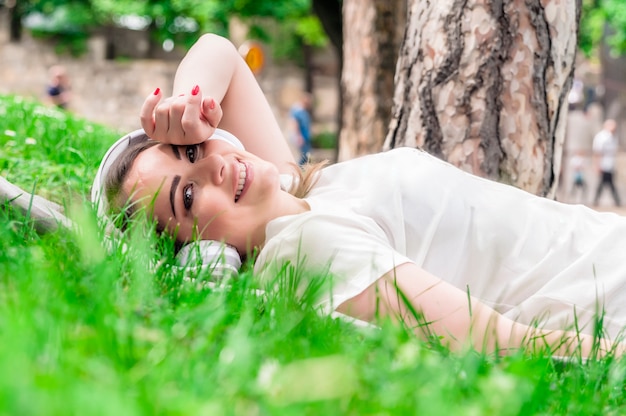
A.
pixel 211 168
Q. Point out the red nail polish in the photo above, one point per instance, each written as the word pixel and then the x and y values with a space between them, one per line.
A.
pixel 211 104
pixel 195 90
pixel 157 91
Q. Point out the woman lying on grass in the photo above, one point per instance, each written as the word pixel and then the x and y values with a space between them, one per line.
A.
pixel 403 234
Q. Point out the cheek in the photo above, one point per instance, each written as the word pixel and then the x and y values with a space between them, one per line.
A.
pixel 214 216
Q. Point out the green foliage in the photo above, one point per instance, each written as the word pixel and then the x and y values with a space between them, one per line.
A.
pixel 104 10
pixel 279 10
pixel 64 22
pixel 616 18
pixel 325 140
pixel 49 149
pixel 311 31
pixel 603 19
pixel 70 21
pixel 208 16
pixel 285 24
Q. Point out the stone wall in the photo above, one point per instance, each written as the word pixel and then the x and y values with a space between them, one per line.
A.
pixel 111 92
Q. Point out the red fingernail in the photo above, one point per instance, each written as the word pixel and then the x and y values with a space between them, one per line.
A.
pixel 195 90
pixel 157 91
pixel 211 104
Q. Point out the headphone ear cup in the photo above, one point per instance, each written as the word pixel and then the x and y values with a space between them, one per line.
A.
pixel 219 258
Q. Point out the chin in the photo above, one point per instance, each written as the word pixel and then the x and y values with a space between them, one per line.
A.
pixel 268 175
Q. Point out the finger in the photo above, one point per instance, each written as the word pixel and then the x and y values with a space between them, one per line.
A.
pixel 212 111
pixel 195 127
pixel 162 121
pixel 146 115
pixel 175 132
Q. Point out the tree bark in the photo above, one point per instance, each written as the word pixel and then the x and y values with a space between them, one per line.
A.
pixel 372 37
pixel 484 83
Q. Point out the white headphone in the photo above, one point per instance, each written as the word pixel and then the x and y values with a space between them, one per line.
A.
pixel 218 257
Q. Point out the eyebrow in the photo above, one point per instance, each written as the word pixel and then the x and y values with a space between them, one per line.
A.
pixel 175 183
pixel 176 151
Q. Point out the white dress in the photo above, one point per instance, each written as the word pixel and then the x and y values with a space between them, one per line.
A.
pixel 535 260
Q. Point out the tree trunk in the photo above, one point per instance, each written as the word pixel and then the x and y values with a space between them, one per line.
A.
pixel 483 84
pixel 15 21
pixel 330 15
pixel 371 42
pixel 307 54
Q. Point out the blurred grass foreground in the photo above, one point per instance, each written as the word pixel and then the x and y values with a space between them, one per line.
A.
pixel 94 331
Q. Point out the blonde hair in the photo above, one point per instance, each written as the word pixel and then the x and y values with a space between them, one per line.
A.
pixel 306 178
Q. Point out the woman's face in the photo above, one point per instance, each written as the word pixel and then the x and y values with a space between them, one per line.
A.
pixel 212 189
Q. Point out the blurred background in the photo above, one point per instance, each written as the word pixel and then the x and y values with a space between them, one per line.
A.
pixel 114 53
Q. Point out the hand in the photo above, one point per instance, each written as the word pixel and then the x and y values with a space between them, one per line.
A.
pixel 182 120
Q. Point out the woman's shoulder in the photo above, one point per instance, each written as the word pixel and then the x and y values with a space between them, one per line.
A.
pixel 318 230
pixel 318 239
pixel 317 225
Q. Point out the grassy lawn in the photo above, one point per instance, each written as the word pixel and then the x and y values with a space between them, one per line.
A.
pixel 86 330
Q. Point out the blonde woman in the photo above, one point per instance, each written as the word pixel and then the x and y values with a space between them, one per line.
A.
pixel 484 264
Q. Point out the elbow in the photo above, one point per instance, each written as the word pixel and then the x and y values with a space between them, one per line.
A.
pixel 213 42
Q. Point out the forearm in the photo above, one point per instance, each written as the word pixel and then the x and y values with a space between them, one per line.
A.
pixel 464 320
pixel 214 64
pixel 564 343
pixel 209 63
pixel 431 306
pixel 491 331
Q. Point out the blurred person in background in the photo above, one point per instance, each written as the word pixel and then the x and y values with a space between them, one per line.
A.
pixel 605 148
pixel 300 126
pixel 59 88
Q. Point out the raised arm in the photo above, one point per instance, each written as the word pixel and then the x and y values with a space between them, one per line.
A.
pixel 223 79
pixel 457 317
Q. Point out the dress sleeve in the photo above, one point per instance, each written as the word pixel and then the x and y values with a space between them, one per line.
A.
pixel 351 251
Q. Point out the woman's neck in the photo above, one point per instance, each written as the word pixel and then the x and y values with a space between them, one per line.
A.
pixel 284 205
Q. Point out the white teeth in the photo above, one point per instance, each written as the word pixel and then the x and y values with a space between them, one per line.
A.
pixel 242 180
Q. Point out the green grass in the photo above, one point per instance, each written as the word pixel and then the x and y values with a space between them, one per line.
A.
pixel 49 149
pixel 84 330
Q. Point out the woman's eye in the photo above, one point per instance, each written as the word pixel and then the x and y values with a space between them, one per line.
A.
pixel 192 153
pixel 188 196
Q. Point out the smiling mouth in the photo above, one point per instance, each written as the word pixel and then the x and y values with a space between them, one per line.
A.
pixel 243 173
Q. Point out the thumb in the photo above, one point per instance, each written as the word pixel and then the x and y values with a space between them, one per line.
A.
pixel 212 111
